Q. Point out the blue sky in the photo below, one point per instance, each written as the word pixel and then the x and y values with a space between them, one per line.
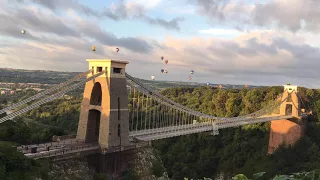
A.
pixel 229 41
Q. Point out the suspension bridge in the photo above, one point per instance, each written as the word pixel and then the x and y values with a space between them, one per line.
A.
pixel 119 113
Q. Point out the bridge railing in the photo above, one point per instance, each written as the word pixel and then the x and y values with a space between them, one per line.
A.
pixel 50 144
pixel 63 151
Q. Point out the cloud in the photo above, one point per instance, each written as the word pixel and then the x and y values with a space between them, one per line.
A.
pixel 135 10
pixel 222 32
pixel 46 26
pixel 275 61
pixel 118 11
pixel 131 43
pixel 148 4
pixel 173 24
pixel 66 4
pixel 292 15
pixel 248 59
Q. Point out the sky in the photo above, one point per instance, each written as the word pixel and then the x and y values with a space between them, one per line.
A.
pixel 257 42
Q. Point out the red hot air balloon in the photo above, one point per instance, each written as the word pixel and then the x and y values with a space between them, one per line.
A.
pixel 166 61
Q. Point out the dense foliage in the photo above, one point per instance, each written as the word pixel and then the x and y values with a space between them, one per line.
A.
pixel 312 175
pixel 55 118
pixel 236 150
pixel 39 125
pixel 14 165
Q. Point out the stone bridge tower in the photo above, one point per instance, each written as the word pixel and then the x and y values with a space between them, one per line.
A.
pixel 104 110
pixel 291 107
pixel 287 131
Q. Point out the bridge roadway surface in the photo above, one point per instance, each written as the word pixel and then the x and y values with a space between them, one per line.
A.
pixel 179 130
pixel 70 148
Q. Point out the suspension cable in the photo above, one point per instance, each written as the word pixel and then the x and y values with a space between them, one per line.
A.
pixel 37 96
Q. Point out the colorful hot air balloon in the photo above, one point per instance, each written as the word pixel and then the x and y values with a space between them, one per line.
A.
pixel 153 77
pixel 190 77
pixel 166 61
pixel 166 71
pixel 93 48
pixel 191 71
pixel 162 57
pixel 117 49
pixel 162 70
pixel 246 86
pixel 23 31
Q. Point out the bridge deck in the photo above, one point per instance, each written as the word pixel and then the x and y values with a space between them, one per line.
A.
pixel 71 147
pixel 173 131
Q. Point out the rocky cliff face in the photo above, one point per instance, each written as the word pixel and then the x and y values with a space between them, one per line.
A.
pixel 146 164
pixel 72 169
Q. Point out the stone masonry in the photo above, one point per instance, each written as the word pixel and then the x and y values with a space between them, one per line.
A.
pixel 114 124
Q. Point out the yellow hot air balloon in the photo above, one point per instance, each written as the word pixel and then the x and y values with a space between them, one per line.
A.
pixel 93 48
pixel 153 77
pixel 23 31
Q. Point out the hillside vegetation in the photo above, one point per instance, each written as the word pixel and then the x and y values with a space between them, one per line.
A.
pixel 236 150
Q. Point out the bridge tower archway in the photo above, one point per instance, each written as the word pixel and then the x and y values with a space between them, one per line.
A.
pixel 93 127
pixel 288 111
pixel 106 94
pixel 96 95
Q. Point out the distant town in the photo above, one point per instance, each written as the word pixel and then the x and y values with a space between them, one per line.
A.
pixel 14 81
pixel 14 88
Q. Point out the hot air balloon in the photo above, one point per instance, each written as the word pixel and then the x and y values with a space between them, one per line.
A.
pixel 162 70
pixel 153 77
pixel 220 86
pixel 190 77
pixel 93 48
pixel 23 31
pixel 246 86
pixel 166 61
pixel 191 71
pixel 208 83
pixel 162 57
pixel 166 71
pixel 117 49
